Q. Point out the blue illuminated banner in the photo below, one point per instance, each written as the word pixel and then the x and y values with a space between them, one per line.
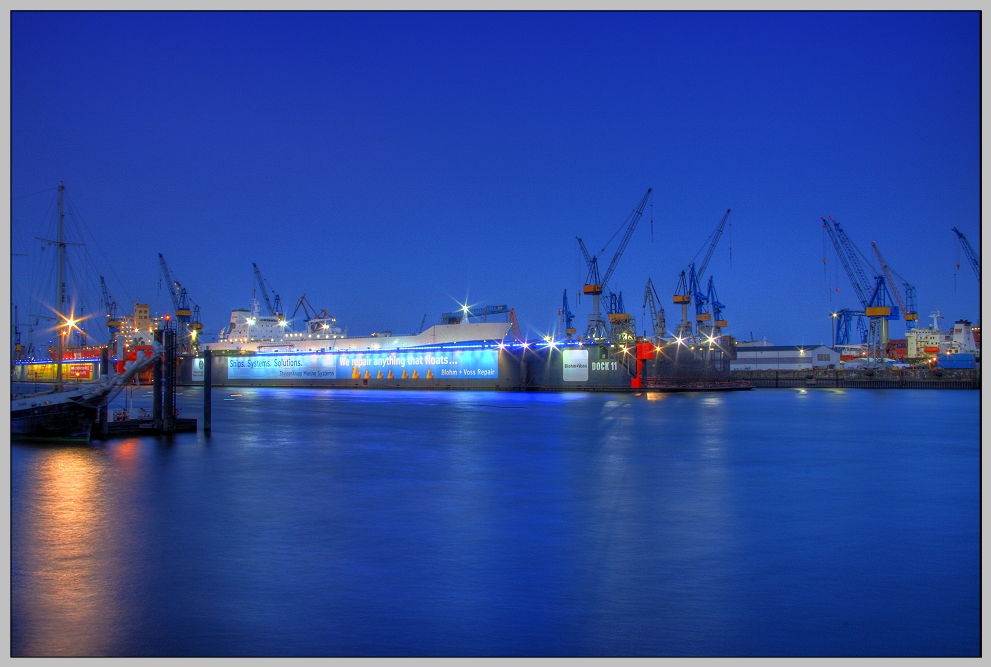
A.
pixel 282 367
pixel 418 365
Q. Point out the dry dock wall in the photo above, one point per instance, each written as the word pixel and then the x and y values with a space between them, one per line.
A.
pixel 862 379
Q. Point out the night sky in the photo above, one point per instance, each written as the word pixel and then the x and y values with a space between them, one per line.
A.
pixel 389 165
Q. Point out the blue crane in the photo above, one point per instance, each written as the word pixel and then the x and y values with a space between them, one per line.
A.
pixel 273 310
pixel 690 285
pixel 844 320
pixel 875 298
pixel 908 306
pixel 717 311
pixel 975 263
pixel 568 316
pixel 188 326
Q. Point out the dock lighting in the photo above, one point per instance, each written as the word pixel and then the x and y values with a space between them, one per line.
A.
pixel 679 341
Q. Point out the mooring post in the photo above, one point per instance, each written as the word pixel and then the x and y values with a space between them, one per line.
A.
pixel 102 414
pixel 207 382
pixel 156 409
pixel 168 422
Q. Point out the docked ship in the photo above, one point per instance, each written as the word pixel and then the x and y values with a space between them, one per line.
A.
pixel 258 350
pixel 81 382
pixel 69 412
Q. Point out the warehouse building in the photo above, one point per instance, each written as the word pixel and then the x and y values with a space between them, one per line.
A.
pixel 785 358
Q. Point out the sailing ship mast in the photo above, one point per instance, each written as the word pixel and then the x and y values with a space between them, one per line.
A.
pixel 61 286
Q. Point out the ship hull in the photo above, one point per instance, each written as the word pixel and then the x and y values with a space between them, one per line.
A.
pixel 482 365
pixel 59 421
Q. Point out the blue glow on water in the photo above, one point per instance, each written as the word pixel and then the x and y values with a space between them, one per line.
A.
pixel 349 522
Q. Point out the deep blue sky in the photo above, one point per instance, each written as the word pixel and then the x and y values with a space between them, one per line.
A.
pixel 386 164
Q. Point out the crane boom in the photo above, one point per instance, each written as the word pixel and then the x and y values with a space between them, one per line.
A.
pixel 712 246
pixel 110 304
pixel 261 286
pixel 650 298
pixel 975 263
pixel 852 252
pixel 887 274
pixel 592 280
pixel 907 305
pixel 862 294
pixel 637 213
pixel 169 282
pixel 568 317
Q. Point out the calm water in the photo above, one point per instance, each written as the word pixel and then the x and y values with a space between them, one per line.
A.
pixel 325 522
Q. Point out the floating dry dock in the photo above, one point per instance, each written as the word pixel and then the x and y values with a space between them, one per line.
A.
pixel 458 356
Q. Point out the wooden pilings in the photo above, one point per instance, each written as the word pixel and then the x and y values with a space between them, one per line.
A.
pixel 168 398
pixel 156 409
pixel 207 382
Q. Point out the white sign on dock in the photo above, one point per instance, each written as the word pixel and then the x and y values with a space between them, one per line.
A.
pixel 575 365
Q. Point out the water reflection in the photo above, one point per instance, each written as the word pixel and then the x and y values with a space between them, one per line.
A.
pixel 67 602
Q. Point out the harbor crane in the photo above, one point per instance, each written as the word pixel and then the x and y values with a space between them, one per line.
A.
pixel 689 286
pixel 188 326
pixel 907 305
pixel 657 325
pixel 844 321
pixel 320 323
pixel 273 310
pixel 717 312
pixel 594 285
pixel 876 300
pixel 975 263
pixel 567 318
pixel 113 319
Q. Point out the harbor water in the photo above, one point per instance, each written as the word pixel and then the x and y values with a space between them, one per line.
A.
pixel 774 522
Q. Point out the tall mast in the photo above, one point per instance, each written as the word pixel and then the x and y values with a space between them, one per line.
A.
pixel 61 285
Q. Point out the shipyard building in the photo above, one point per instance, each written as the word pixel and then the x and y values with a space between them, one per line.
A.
pixel 784 358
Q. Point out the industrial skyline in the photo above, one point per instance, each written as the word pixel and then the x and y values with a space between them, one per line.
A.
pixel 391 165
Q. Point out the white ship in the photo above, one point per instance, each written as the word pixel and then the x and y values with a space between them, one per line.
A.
pixel 249 331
